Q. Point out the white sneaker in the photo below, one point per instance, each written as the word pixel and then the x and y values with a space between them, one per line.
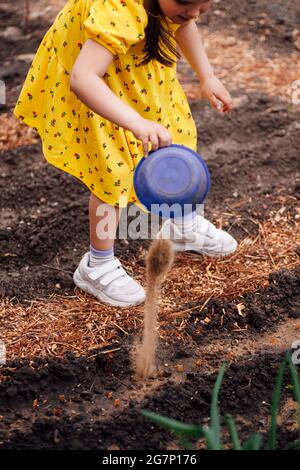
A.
pixel 109 283
pixel 205 239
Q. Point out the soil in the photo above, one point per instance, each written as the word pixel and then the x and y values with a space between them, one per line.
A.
pixel 275 21
pixel 253 157
pixel 66 404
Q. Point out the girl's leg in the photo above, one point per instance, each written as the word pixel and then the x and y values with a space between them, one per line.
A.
pixel 103 227
pixel 99 272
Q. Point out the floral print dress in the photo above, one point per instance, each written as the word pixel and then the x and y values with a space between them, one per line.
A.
pixel 78 141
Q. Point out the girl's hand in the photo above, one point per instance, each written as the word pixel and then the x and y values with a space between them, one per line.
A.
pixel 215 92
pixel 145 131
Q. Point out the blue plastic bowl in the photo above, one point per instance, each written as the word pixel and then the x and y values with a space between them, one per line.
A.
pixel 172 176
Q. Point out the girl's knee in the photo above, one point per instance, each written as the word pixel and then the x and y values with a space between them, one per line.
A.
pixel 95 198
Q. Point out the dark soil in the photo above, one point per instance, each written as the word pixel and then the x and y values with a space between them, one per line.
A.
pixel 252 156
pixel 264 308
pixel 252 19
pixel 72 406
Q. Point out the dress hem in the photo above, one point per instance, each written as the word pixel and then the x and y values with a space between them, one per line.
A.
pixel 31 122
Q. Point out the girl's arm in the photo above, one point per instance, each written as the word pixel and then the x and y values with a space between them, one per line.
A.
pixel 190 42
pixel 87 84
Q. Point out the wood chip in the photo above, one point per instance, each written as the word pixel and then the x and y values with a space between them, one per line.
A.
pixel 35 404
pixel 240 307
pixel 82 325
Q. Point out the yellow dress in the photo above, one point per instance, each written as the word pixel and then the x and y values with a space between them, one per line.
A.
pixel 78 141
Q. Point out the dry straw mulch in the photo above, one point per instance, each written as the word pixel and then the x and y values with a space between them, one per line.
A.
pixel 241 66
pixel 14 132
pixel 82 325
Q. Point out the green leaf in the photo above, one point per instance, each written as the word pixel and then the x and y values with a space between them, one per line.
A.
pixel 185 442
pixel 233 432
pixel 253 443
pixel 211 442
pixel 190 430
pixel 214 409
pixel 296 383
pixel 275 407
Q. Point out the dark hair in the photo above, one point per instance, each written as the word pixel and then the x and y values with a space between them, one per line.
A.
pixel 158 33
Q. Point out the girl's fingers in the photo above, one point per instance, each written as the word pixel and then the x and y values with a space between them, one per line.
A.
pixel 165 138
pixel 215 102
pixel 154 141
pixel 226 100
pixel 146 147
pixel 228 104
pixel 158 137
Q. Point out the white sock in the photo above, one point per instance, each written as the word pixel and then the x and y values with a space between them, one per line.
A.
pixel 99 257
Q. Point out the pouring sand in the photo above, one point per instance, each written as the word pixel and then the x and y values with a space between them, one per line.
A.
pixel 158 262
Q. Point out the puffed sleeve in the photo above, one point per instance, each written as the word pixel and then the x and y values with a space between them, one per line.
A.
pixel 116 24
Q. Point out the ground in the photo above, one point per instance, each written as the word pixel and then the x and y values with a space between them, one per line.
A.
pixel 68 382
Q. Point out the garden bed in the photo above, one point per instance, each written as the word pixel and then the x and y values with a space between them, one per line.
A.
pixel 68 382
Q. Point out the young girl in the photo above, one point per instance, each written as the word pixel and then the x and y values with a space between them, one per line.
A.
pixel 101 88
